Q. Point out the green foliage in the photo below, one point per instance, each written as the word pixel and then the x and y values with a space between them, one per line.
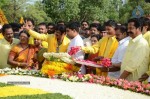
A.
pixel 37 13
pixel 66 10
pixel 126 10
pixel 62 9
pixel 101 10
pixel 13 9
pixel 4 84
pixel 40 96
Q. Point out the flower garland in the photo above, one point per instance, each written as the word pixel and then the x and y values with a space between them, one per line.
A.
pixel 75 77
pixel 57 63
pixel 19 71
pixel 119 83
pixel 58 57
pixel 51 68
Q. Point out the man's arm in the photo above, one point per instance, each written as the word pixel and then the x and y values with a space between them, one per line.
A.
pixel 125 74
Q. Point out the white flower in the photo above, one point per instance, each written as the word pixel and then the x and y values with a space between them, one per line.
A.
pixel 67 60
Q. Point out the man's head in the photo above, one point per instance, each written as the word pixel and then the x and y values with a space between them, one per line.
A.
pixel 103 31
pixel 51 28
pixel 146 25
pixel 61 22
pixel 42 28
pixel 121 32
pixel 30 23
pixel 94 28
pixel 84 25
pixel 72 29
pixel 16 29
pixel 37 42
pixel 7 32
pixel 87 33
pixel 110 27
pixel 60 31
pixel 134 27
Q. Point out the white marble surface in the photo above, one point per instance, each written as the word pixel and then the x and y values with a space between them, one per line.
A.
pixel 75 89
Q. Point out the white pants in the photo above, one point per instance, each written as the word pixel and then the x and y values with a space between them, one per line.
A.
pixel 82 70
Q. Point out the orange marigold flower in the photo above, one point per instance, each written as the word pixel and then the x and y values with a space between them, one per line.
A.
pixel 51 73
pixel 69 67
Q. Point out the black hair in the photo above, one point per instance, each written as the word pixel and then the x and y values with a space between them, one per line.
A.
pixel 137 22
pixel 111 23
pixel 42 23
pixel 52 24
pixel 122 28
pixel 31 20
pixel 73 26
pixel 95 25
pixel 6 26
pixel 15 27
pixel 24 32
pixel 60 22
pixel 147 23
pixel 97 36
pixel 85 21
pixel 61 28
pixel 102 28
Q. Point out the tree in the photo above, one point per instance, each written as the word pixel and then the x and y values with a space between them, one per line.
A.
pixel 13 9
pixel 101 10
pixel 37 13
pixel 62 9
pixel 126 10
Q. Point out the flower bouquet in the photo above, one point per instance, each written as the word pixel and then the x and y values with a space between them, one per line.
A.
pixel 57 63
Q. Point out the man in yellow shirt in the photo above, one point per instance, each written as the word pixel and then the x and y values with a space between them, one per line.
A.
pixel 43 30
pixel 106 47
pixel 136 58
pixel 146 35
pixel 57 42
pixel 6 44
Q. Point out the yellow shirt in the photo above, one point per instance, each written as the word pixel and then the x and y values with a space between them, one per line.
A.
pixel 147 37
pixel 1 36
pixel 52 41
pixel 136 58
pixel 44 44
pixel 5 47
pixel 106 47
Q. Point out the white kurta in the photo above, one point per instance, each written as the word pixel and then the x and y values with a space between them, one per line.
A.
pixel 118 56
pixel 77 41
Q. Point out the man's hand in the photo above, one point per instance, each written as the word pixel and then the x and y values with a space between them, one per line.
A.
pixel 24 65
pixel 104 69
pixel 98 58
pixel 26 27
pixel 144 77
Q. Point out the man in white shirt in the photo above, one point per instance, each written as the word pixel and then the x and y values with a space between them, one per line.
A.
pixel 123 38
pixel 72 31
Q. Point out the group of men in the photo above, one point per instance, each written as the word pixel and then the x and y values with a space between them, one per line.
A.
pixel 127 46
